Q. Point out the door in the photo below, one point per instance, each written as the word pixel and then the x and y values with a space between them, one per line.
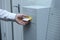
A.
pixel 17 29
pixel 6 25
pixel 11 30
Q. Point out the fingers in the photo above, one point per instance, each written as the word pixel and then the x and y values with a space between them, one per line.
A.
pixel 19 18
pixel 22 23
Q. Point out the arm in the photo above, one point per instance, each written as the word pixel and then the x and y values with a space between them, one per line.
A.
pixel 6 15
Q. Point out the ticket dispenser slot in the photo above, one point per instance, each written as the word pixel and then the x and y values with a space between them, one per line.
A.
pixel 27 19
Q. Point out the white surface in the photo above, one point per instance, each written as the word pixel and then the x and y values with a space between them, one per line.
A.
pixel 37 29
pixel 35 7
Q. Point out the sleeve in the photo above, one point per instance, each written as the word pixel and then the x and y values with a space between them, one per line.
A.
pixel 7 15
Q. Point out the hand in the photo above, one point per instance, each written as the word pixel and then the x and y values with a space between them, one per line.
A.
pixel 19 18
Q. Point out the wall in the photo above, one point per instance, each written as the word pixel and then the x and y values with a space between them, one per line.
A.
pixel 53 32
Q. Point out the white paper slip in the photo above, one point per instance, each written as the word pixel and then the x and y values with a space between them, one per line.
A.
pixel 26 19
